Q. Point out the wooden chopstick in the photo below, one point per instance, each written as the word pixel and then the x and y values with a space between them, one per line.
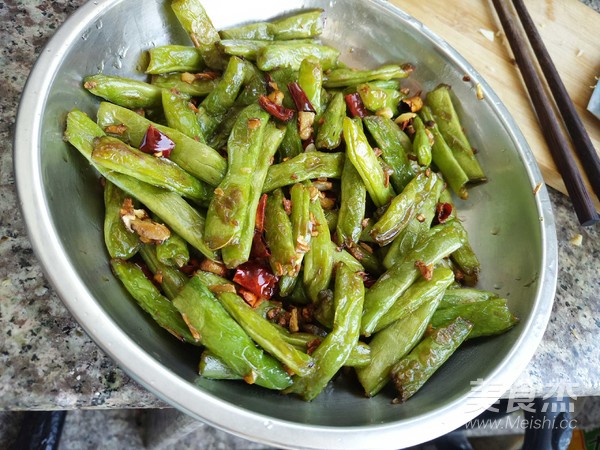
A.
pixel 581 140
pixel 549 121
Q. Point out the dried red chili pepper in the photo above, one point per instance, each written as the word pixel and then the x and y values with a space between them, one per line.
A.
pixel 260 214
pixel 299 96
pixel 279 112
pixel 256 276
pixel 356 105
pixel 443 211
pixel 155 141
pixel 259 249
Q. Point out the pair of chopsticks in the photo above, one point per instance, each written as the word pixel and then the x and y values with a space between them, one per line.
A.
pixel 550 122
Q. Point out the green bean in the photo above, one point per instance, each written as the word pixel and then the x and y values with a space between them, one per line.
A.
pixel 124 91
pixel 447 120
pixel 367 258
pixel 422 142
pixel 173 252
pixel 310 79
pixel 254 86
pixel 395 147
pixel 404 207
pixel 331 215
pixel 291 145
pixel 353 202
pixel 197 24
pixel 227 210
pixel 343 256
pixel 417 227
pixel 120 242
pixel 222 335
pixel 304 25
pixel 347 77
pixel 257 30
pixel 196 88
pixel 279 236
pixel 174 58
pixel 335 349
pixel 236 254
pixel 169 206
pixel 151 301
pixel 219 138
pixel 194 157
pixel 318 261
pixel 216 104
pixel 265 334
pixel 391 344
pixel 289 54
pixel 488 317
pixel 443 157
pixel 180 115
pixel 360 356
pixel 439 243
pixel 249 48
pixel 412 371
pixel 306 166
pixel 213 367
pixel 171 279
pixel 377 99
pixel 468 263
pixel 365 161
pixel 329 134
pixel 416 295
pixel 113 154
pixel 462 296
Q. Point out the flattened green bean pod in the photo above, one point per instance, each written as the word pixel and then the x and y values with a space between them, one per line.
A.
pixel 213 367
pixel 353 201
pixel 173 252
pixel 196 88
pixel 462 296
pixel 249 48
pixel 236 254
pixel 258 30
pixel 306 166
pixel 440 242
pixel 222 335
pixel 265 334
pixel 422 142
pixel 124 91
pixel 395 145
pixel 318 261
pixel 310 79
pixel 216 104
pixel 279 236
pixel 420 292
pixel 194 157
pixel 335 349
pixel 291 146
pixel 446 118
pixel 404 207
pixel 119 242
pixel 227 210
pixel 343 77
pixel 444 159
pixel 115 155
pixel 174 58
pixel 411 373
pixel 329 134
pixel 489 317
pixel 150 300
pixel 393 343
pixel 365 161
pixel 297 26
pixel 197 24
pixel 289 54
pixel 180 114
pixel 377 99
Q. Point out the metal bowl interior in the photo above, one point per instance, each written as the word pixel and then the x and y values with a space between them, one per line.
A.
pixel 511 229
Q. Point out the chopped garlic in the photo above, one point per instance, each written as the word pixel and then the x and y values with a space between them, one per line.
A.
pixel 576 240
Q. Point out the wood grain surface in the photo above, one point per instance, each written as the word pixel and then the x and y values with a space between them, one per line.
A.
pixel 571 32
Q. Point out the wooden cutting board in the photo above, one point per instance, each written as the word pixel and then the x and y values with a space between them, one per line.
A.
pixel 571 32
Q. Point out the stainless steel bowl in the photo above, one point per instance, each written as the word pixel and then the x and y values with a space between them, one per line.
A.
pixel 511 228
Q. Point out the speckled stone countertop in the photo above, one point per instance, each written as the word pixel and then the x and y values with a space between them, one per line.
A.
pixel 48 362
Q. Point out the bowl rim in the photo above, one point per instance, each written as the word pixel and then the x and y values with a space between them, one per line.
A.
pixel 183 395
